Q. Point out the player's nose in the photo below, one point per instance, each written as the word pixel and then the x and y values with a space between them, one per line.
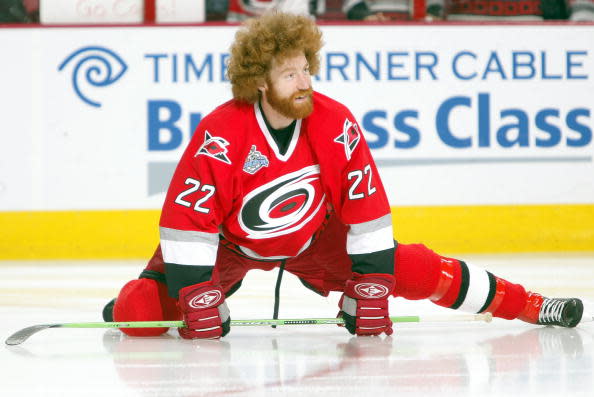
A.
pixel 303 81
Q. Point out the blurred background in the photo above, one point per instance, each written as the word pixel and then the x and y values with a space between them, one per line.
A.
pixel 478 113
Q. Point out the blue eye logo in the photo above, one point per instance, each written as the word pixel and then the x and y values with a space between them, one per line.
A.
pixel 93 67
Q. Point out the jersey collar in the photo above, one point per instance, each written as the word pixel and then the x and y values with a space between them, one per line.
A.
pixel 270 139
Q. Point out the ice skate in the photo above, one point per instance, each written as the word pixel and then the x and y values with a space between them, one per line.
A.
pixel 565 312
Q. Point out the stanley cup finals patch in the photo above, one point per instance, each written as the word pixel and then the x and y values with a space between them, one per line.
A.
pixel 254 161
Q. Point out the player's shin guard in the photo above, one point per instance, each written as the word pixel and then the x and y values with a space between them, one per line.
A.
pixel 144 300
pixel 421 273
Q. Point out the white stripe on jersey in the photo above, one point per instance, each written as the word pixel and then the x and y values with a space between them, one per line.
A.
pixel 189 253
pixel 190 248
pixel 370 241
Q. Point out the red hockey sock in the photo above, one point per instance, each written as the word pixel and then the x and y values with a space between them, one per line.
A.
pixel 144 300
pixel 421 273
pixel 532 308
pixel 417 271
pixel 509 300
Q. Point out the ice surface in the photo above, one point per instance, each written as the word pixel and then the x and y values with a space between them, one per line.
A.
pixel 462 359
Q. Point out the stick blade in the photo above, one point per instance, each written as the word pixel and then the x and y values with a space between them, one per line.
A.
pixel 20 336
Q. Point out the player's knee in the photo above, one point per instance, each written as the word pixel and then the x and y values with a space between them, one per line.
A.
pixel 144 300
pixel 409 257
pixel 417 270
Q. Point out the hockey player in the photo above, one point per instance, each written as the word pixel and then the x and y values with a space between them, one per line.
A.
pixel 281 176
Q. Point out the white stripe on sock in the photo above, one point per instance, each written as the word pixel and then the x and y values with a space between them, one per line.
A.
pixel 478 289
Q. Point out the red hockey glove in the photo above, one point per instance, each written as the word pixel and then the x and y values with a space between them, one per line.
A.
pixel 204 310
pixel 364 304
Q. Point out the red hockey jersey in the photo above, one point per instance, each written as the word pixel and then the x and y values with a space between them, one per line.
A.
pixel 233 181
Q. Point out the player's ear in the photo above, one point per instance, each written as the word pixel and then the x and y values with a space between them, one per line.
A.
pixel 262 85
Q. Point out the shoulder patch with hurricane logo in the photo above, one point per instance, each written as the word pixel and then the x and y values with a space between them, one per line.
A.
pixel 215 147
pixel 349 137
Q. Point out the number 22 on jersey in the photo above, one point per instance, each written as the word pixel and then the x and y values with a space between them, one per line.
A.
pixel 194 187
pixel 357 177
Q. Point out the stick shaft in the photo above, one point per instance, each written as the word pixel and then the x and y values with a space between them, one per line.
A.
pixel 268 322
pixel 22 335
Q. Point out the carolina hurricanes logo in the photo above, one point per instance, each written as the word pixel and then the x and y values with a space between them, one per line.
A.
pixel 371 290
pixel 205 299
pixel 215 147
pixel 349 137
pixel 283 205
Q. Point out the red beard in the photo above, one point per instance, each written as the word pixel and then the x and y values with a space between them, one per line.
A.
pixel 287 106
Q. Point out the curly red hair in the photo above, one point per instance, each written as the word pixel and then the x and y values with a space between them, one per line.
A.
pixel 273 36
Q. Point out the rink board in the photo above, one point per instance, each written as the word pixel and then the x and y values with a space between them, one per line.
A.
pixel 448 229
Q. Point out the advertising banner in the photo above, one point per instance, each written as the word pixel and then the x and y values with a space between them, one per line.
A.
pixel 96 118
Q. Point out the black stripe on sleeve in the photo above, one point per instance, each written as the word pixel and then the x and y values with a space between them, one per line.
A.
pixel 180 276
pixel 374 262
pixel 153 275
pixel 463 286
pixel 492 290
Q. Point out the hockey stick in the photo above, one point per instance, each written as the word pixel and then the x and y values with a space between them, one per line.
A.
pixel 20 336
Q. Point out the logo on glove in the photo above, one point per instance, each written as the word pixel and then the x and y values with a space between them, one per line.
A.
pixel 205 299
pixel 371 290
